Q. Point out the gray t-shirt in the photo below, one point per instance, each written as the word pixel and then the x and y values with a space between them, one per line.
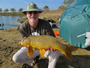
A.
pixel 43 28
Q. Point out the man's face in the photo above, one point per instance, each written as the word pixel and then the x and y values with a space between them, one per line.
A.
pixel 32 16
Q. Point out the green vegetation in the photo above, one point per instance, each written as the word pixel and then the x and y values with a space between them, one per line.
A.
pixel 67 2
pixel 46 8
pixel 12 14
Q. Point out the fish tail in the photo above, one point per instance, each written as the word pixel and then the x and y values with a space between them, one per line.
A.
pixel 68 51
pixel 68 54
pixel 72 48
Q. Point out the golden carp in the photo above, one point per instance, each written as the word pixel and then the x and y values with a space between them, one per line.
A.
pixel 43 41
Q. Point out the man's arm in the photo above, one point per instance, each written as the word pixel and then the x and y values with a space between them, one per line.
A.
pixel 49 30
pixel 22 32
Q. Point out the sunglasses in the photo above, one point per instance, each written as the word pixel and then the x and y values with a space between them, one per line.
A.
pixel 35 12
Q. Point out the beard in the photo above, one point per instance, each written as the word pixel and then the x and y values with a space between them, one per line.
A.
pixel 33 19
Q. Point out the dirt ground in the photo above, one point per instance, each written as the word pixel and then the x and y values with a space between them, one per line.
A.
pixel 9 39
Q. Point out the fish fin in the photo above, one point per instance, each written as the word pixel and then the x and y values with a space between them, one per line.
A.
pixel 30 51
pixel 34 49
pixel 42 52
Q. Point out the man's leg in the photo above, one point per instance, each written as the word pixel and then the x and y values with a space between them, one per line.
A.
pixel 22 57
pixel 53 57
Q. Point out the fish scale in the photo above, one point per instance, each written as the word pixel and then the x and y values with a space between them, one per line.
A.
pixel 44 41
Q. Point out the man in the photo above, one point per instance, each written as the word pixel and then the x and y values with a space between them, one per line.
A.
pixel 35 26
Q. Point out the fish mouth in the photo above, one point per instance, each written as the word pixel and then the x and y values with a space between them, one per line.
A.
pixel 19 43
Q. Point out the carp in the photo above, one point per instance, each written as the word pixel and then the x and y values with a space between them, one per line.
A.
pixel 44 41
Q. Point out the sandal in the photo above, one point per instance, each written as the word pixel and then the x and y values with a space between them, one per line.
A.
pixel 32 64
pixel 35 61
pixel 26 66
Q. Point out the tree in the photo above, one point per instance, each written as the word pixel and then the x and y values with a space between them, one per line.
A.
pixel 0 9
pixel 46 8
pixel 6 10
pixel 12 10
pixel 67 2
pixel 21 9
pixel 62 7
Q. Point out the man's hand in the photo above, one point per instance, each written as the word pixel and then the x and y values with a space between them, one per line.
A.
pixel 51 49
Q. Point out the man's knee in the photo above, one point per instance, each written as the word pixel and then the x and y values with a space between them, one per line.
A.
pixel 16 59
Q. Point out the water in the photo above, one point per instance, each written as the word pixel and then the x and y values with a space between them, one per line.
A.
pixel 9 21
